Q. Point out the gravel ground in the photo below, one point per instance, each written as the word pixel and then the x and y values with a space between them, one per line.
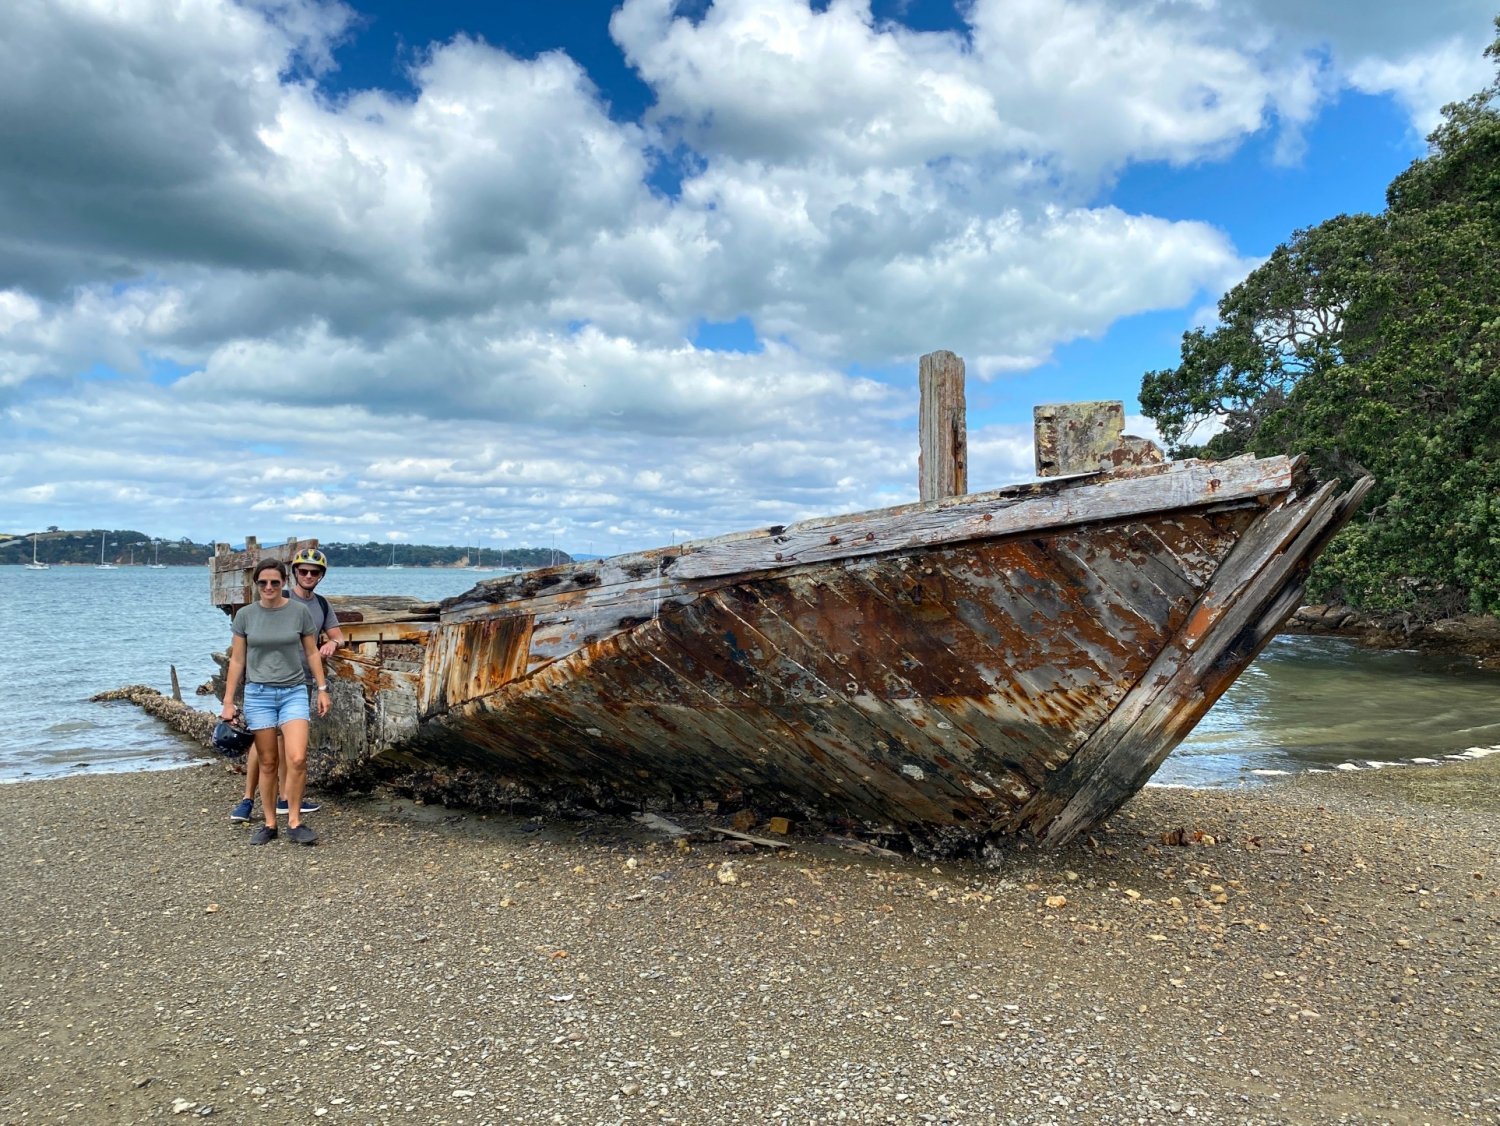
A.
pixel 1327 953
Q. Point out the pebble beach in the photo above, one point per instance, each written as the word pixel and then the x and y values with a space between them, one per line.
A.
pixel 1325 948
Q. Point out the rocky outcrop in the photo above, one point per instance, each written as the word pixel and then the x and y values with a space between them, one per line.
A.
pixel 1473 635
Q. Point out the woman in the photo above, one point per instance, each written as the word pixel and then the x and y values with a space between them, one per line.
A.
pixel 271 638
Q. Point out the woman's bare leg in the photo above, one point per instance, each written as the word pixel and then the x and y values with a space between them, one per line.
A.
pixel 265 744
pixel 294 734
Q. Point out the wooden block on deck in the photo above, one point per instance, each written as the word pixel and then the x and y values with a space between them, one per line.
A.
pixel 1075 437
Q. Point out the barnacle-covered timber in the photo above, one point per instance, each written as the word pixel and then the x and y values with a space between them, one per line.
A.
pixel 1020 660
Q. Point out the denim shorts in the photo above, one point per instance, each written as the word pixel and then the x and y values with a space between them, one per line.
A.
pixel 266 705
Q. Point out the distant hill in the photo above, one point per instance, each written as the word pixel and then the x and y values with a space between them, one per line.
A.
pixel 126 546
pixel 424 555
pixel 121 546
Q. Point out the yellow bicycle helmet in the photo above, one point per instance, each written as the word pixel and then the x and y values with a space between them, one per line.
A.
pixel 312 557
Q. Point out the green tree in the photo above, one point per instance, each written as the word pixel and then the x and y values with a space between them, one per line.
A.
pixel 1372 343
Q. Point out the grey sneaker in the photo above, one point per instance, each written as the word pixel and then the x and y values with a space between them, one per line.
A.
pixel 308 805
pixel 264 835
pixel 303 835
pixel 241 812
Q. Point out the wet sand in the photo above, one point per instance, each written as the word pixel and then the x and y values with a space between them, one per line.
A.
pixel 1332 956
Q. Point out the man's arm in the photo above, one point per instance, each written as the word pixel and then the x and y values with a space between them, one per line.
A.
pixel 333 637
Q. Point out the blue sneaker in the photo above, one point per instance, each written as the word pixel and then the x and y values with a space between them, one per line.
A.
pixel 308 805
pixel 241 812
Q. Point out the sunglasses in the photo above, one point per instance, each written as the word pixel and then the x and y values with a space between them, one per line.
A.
pixel 308 572
pixel 273 583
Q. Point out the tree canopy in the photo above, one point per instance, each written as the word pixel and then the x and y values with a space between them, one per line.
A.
pixel 1372 344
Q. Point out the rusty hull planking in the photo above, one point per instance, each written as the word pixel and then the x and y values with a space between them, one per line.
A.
pixel 1014 660
pixel 937 689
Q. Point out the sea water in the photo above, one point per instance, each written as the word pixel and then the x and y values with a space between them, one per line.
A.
pixel 69 633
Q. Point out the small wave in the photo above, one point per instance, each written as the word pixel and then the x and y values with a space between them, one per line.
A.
pixel 1478 752
pixel 70 727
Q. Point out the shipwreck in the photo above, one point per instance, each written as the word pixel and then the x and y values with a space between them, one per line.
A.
pixel 969 666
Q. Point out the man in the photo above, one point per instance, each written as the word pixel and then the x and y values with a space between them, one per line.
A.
pixel 308 568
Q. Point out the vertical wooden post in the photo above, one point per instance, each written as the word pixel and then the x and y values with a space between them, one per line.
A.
pixel 943 466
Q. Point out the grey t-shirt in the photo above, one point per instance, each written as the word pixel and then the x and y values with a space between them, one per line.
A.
pixel 322 623
pixel 273 642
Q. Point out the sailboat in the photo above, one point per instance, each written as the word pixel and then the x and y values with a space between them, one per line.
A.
pixel 394 566
pixel 36 564
pixel 156 564
pixel 479 564
pixel 103 566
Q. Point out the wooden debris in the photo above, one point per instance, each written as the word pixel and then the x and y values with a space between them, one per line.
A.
pixel 761 841
pixel 659 824
pixel 864 848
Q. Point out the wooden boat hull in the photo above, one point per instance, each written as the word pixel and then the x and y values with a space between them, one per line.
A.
pixel 1021 660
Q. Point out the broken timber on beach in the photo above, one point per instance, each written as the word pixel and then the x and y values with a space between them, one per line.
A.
pixel 1015 660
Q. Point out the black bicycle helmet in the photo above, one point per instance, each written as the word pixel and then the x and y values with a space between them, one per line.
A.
pixel 231 740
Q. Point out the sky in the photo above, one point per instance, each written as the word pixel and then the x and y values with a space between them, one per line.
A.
pixel 611 275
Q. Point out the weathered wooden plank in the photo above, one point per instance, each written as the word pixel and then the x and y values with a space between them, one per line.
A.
pixel 1192 545
pixel 943 461
pixel 788 697
pixel 713 741
pixel 631 600
pixel 364 609
pixel 571 615
pixel 466 660
pixel 531 730
pixel 1025 612
pixel 871 745
pixel 378 633
pixel 1139 597
pixel 562 630
pixel 1186 486
pixel 1013 510
pixel 628 694
pixel 1264 576
pixel 1244 564
pixel 854 654
pixel 868 670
